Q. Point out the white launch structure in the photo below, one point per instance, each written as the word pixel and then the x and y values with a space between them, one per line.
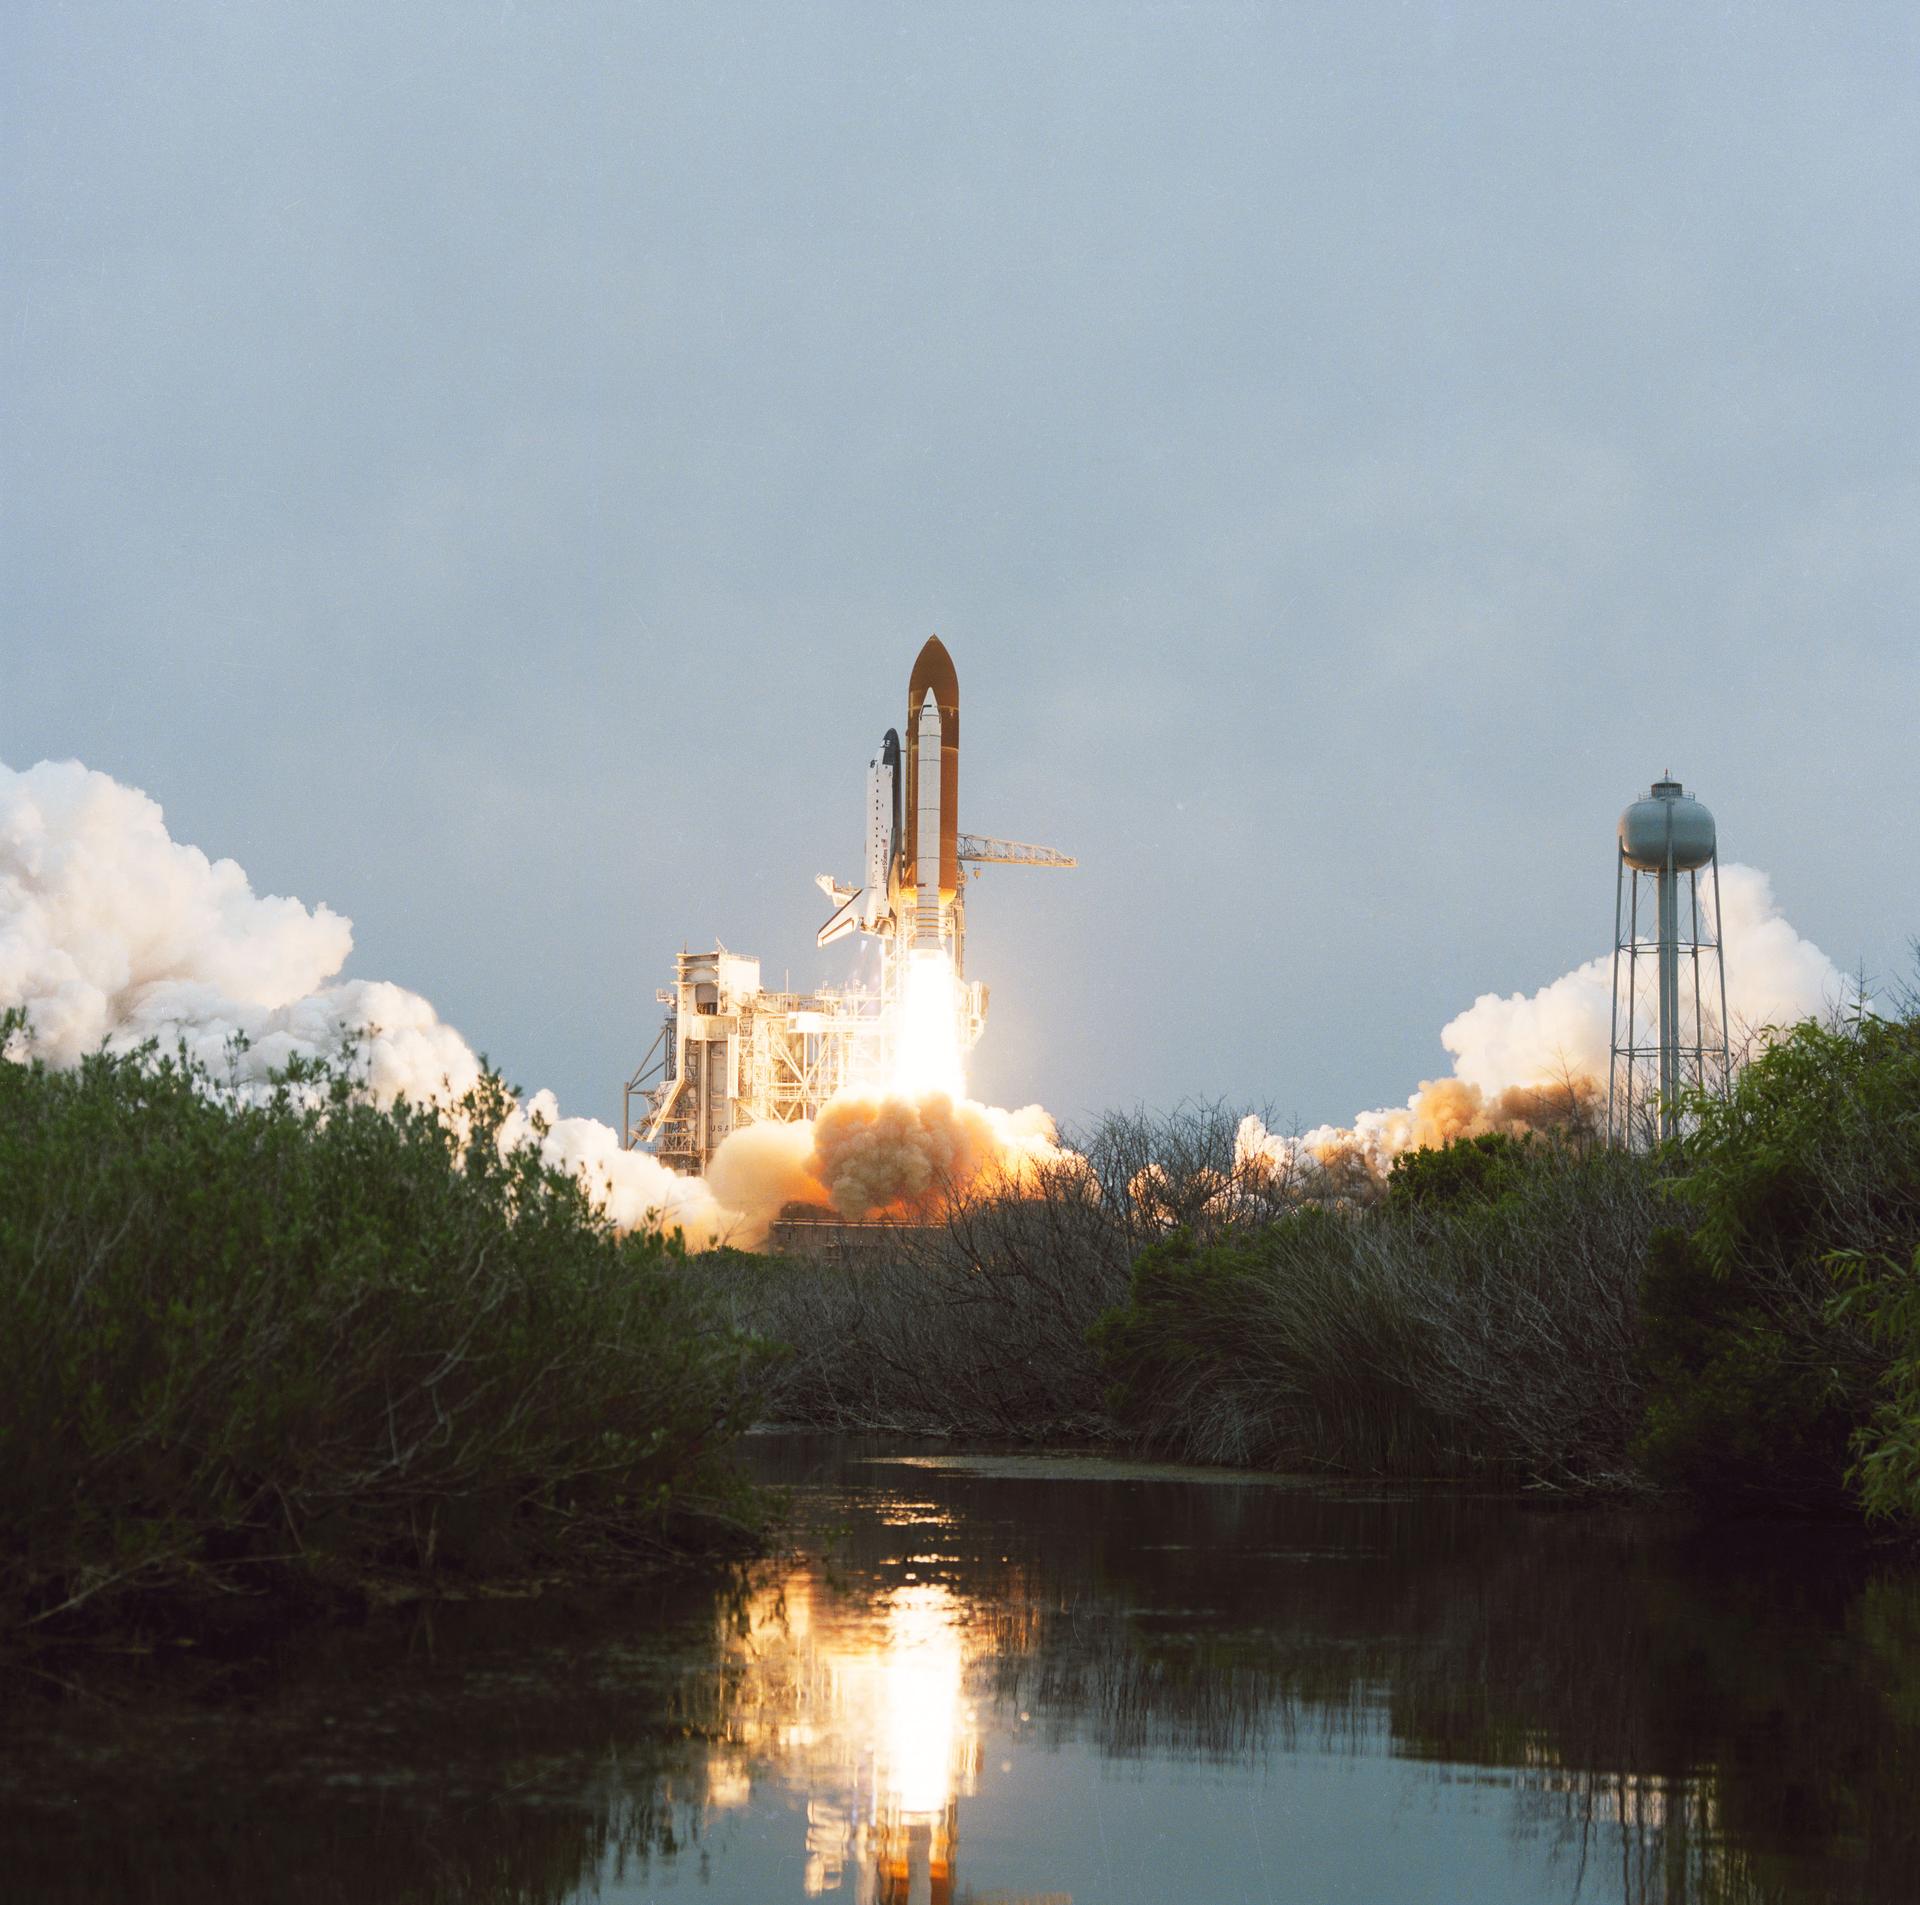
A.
pixel 731 1055
pixel 1670 1036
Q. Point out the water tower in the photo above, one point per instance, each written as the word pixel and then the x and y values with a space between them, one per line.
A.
pixel 1670 1024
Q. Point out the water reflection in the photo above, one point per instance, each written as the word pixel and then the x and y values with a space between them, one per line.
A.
pixel 867 1720
pixel 1002 1682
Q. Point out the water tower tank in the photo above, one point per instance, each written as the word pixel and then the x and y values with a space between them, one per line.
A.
pixel 1667 829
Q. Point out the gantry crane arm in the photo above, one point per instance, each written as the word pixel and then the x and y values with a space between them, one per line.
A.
pixel 983 851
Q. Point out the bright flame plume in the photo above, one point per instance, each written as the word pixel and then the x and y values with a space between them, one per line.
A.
pixel 926 1031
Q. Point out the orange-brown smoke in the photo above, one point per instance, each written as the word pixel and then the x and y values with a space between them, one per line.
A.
pixel 1166 1199
pixel 1441 1111
pixel 897 1154
pixel 866 1156
pixel 757 1171
pixel 1448 1108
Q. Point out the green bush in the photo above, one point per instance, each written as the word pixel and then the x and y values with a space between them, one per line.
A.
pixel 1273 1345
pixel 308 1338
pixel 1449 1176
pixel 1744 1403
pixel 1781 1325
pixel 1447 1330
pixel 1882 1295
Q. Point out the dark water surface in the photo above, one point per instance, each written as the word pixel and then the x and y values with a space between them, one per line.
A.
pixel 1013 1678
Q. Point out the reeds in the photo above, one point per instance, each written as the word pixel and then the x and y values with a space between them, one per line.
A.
pixel 1497 1335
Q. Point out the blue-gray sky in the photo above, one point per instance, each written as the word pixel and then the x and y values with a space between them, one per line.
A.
pixel 490 468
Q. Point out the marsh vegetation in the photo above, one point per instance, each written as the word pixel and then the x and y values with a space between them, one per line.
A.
pixel 1736 1314
pixel 304 1344
pixel 297 1342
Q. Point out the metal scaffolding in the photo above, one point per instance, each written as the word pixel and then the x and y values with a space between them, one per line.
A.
pixel 730 1055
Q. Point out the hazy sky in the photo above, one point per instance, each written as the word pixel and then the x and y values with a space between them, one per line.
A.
pixel 490 467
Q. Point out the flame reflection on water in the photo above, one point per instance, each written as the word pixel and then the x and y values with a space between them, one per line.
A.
pixel 864 1714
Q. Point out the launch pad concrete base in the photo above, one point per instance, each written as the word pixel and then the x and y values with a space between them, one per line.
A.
pixel 821 1238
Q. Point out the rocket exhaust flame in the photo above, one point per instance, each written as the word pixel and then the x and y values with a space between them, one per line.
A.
pixel 925 1030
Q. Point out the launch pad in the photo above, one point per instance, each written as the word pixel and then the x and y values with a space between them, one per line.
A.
pixel 731 1054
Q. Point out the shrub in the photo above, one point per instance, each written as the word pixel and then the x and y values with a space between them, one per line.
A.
pixel 1449 1176
pixel 310 1338
pixel 1432 1334
pixel 1765 1367
pixel 1157 1286
pixel 1742 1404
pixel 1284 1344
pixel 1882 1295
pixel 979 1325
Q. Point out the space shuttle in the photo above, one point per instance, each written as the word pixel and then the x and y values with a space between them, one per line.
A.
pixel 912 899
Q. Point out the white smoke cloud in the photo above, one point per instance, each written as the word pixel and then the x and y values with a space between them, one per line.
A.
pixel 112 933
pixel 1774 977
pixel 108 927
pixel 1530 1058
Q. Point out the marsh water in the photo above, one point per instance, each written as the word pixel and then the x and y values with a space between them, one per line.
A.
pixel 996 1677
